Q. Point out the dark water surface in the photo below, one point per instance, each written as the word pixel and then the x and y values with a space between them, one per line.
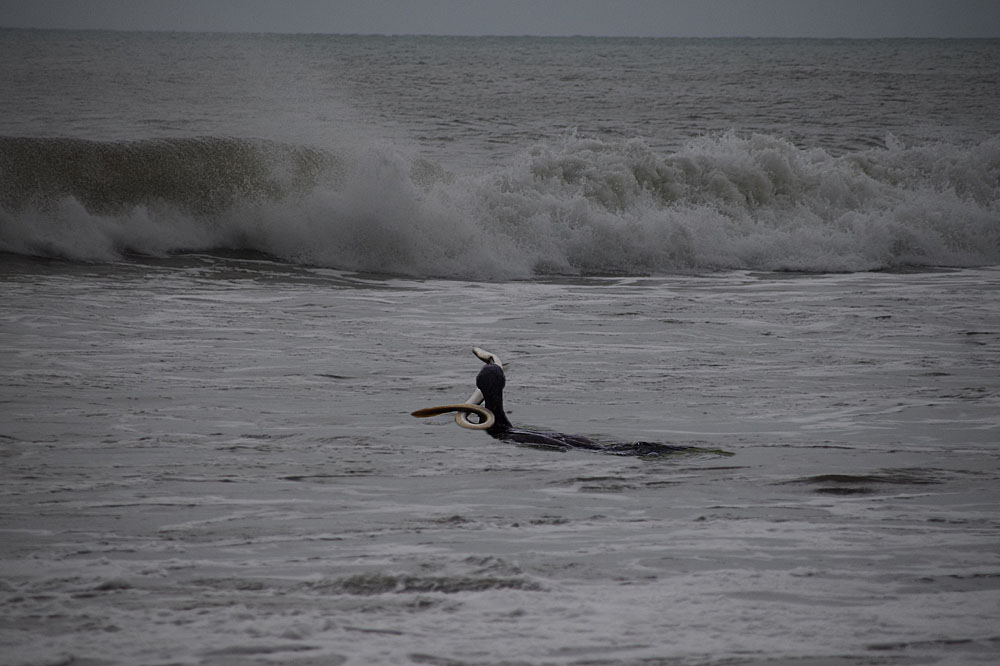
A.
pixel 212 461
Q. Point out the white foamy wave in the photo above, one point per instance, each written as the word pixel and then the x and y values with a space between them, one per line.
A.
pixel 568 206
pixel 751 203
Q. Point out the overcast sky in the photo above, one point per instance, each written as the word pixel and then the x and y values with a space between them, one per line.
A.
pixel 660 18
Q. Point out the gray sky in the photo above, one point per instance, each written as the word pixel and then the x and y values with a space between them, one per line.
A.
pixel 660 18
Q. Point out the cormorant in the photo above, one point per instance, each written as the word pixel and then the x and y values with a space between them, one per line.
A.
pixel 490 383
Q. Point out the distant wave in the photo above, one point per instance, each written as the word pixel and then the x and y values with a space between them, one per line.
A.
pixel 570 205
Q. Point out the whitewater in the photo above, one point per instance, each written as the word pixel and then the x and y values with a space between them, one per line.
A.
pixel 232 265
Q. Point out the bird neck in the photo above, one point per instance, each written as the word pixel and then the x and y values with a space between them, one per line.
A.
pixel 494 403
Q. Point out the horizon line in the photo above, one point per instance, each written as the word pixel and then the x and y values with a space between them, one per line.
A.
pixel 482 35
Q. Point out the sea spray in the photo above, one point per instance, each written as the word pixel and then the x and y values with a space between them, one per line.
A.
pixel 569 205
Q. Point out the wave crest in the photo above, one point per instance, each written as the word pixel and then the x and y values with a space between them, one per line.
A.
pixel 573 205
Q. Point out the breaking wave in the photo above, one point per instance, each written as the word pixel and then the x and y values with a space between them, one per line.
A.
pixel 569 206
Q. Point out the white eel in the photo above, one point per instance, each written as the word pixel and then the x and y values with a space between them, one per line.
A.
pixel 470 406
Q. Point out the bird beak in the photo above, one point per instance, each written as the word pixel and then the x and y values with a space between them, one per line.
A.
pixel 487 357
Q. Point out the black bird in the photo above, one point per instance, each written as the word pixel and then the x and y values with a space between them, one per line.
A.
pixel 493 419
pixel 491 382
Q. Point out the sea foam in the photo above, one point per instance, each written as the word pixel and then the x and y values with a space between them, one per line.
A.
pixel 567 206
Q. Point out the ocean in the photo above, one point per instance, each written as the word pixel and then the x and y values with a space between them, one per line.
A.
pixel 232 264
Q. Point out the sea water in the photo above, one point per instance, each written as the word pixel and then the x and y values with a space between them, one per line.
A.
pixel 233 264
